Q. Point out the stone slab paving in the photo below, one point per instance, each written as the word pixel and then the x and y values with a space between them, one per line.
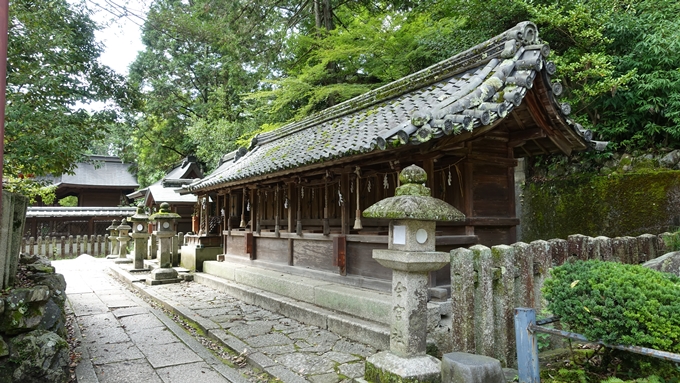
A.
pixel 124 339
pixel 288 350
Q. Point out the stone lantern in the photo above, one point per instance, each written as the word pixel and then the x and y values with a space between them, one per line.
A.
pixel 113 239
pixel 140 236
pixel 123 239
pixel 411 255
pixel 164 231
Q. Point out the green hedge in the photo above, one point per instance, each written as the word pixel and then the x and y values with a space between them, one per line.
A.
pixel 617 303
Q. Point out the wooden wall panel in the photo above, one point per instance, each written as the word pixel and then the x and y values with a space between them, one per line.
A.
pixel 236 245
pixel 492 236
pixel 272 249
pixel 360 261
pixel 490 191
pixel 314 254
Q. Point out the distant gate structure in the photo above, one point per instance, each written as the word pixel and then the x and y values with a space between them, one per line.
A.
pixel 66 221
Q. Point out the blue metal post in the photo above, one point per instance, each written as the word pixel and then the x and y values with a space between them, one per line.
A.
pixel 527 346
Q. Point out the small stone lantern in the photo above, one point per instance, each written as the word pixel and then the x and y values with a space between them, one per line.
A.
pixel 165 230
pixel 411 255
pixel 123 239
pixel 113 239
pixel 140 236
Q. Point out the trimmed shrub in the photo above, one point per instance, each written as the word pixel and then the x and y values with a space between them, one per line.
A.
pixel 617 303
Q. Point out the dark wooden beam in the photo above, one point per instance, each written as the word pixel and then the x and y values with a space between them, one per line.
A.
pixel 537 113
pixel 340 254
pixel 497 161
pixel 520 137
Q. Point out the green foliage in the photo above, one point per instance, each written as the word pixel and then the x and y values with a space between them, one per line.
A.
pixel 214 70
pixel 645 40
pixel 31 189
pixel 672 241
pixel 617 303
pixel 201 57
pixel 373 46
pixel 52 72
pixel 69 201
pixel 216 138
pixel 651 379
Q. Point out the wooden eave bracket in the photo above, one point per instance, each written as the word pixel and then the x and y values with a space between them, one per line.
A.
pixel 537 114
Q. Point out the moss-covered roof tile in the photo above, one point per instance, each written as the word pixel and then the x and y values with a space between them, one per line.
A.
pixel 466 84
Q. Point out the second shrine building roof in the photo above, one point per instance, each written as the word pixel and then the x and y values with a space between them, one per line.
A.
pixel 505 80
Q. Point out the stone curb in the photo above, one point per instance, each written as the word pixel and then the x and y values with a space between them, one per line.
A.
pixel 85 370
pixel 213 331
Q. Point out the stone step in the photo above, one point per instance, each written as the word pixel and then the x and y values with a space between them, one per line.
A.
pixel 356 328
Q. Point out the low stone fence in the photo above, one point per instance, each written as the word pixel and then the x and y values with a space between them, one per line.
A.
pixel 66 247
pixel 70 247
pixel 488 283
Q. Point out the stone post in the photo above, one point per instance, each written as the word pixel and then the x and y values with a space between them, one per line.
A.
pixel 123 239
pixel 411 255
pixel 140 236
pixel 113 239
pixel 164 231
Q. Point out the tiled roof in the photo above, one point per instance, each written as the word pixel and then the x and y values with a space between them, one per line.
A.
pixel 52 212
pixel 166 189
pixel 469 90
pixel 104 171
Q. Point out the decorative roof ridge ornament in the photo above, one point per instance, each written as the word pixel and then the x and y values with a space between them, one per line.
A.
pixel 412 200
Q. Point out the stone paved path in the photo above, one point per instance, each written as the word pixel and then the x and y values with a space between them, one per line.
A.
pixel 124 337
pixel 126 340
pixel 272 341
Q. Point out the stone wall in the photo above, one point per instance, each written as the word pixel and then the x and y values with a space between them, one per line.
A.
pixel 617 204
pixel 33 345
pixel 487 284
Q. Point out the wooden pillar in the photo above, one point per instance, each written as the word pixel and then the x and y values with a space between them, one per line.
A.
pixel 511 198
pixel 225 218
pixel 250 245
pixel 258 213
pixel 468 199
pixel 428 166
pixel 243 209
pixel 251 218
pixel 292 210
pixel 290 206
pixel 340 254
pixel 345 208
pixel 298 210
pixel 277 212
pixel 231 211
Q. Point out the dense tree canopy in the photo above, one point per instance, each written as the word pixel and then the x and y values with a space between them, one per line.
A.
pixel 214 72
pixel 52 74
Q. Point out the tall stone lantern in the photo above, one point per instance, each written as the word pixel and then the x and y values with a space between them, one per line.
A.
pixel 164 231
pixel 140 236
pixel 123 239
pixel 411 255
pixel 113 240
